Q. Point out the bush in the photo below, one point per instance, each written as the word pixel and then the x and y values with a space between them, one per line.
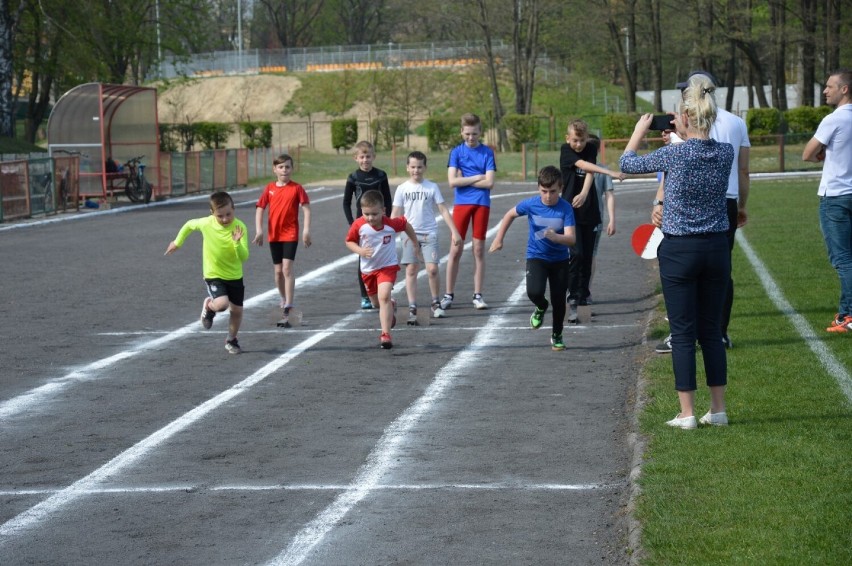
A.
pixel 344 133
pixel 523 128
pixel 169 138
pixel 442 133
pixel 805 119
pixel 764 122
pixel 256 134
pixel 212 135
pixel 388 131
pixel 618 126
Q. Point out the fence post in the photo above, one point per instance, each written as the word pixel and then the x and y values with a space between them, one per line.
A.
pixel 781 152
pixel 524 161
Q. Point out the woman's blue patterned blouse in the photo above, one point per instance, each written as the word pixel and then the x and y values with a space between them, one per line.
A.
pixel 695 183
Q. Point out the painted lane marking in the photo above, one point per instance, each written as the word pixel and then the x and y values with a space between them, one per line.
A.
pixel 383 456
pixel 831 364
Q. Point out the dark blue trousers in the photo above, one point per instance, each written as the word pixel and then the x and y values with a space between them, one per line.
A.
pixel 695 271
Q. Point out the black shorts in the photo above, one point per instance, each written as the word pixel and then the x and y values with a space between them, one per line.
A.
pixel 233 289
pixel 283 250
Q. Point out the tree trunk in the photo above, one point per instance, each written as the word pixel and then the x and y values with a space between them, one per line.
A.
pixel 809 25
pixel 8 23
pixel 832 36
pixel 496 104
pixel 656 54
pixel 525 31
pixel 625 55
pixel 731 76
pixel 778 25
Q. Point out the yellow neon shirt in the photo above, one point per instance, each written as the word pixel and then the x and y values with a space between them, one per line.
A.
pixel 222 257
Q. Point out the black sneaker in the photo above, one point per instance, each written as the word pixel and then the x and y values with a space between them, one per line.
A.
pixel 233 346
pixel 664 347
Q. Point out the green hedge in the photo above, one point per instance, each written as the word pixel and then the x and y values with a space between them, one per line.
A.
pixel 618 126
pixel 763 122
pixel 523 128
pixel 344 133
pixel 442 133
pixel 256 134
pixel 212 135
pixel 805 119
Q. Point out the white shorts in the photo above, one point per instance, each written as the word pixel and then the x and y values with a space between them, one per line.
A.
pixel 428 247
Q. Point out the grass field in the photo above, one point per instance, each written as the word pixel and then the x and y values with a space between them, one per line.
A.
pixel 775 487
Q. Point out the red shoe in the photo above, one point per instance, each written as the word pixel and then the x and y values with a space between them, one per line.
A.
pixel 841 324
pixel 385 341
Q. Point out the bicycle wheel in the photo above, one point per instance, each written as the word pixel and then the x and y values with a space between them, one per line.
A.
pixel 133 190
pixel 147 189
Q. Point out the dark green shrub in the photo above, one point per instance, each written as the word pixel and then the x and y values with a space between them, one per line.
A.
pixel 805 119
pixel 618 126
pixel 344 133
pixel 256 134
pixel 762 123
pixel 442 133
pixel 169 138
pixel 212 135
pixel 523 128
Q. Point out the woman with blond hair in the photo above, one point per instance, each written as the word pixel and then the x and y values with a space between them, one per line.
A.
pixel 694 261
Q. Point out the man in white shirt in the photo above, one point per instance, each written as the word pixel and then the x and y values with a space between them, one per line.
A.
pixel 832 143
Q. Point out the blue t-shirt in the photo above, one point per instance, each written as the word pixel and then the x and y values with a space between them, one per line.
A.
pixel 472 161
pixel 540 218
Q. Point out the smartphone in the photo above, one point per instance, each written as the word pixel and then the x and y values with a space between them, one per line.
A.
pixel 662 122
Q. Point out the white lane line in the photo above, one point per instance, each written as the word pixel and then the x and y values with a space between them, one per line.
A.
pixel 514 486
pixel 27 401
pixel 383 456
pixel 831 364
pixel 400 328
pixel 80 488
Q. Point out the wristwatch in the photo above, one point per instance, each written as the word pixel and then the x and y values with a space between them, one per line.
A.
pixel 656 202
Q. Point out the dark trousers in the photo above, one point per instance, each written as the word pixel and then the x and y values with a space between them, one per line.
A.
pixel 694 271
pixel 731 234
pixel 580 268
pixel 539 274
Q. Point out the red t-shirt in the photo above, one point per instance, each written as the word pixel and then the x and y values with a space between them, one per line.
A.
pixel 283 203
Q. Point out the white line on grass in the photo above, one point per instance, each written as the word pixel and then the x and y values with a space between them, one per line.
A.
pixel 384 454
pixel 823 354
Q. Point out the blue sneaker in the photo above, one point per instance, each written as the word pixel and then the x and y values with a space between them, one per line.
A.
pixel 366 304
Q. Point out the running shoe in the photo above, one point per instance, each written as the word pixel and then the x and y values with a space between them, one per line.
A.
pixel 233 346
pixel 393 313
pixel 447 301
pixel 207 315
pixel 556 343
pixel 572 311
pixel 437 311
pixel 537 318
pixel 385 341
pixel 285 318
pixel 664 347
pixel 478 302
pixel 843 324
pixel 412 316
pixel 366 304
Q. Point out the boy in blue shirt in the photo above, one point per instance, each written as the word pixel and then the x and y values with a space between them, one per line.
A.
pixel 551 233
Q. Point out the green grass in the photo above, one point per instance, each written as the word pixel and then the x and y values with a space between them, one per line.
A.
pixel 775 487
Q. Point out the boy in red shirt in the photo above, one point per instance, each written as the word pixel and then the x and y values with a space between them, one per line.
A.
pixel 284 197
pixel 372 237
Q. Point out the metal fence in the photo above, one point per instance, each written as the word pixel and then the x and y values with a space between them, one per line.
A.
pixel 35 185
pixel 334 58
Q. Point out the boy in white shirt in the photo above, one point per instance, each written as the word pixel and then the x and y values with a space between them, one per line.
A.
pixel 417 199
pixel 372 237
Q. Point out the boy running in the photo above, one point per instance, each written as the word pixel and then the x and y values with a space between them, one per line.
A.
pixel 284 197
pixel 551 232
pixel 372 237
pixel 224 251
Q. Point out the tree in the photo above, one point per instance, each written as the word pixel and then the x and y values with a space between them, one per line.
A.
pixel 778 32
pixel 292 20
pixel 484 24
pixel 362 20
pixel 618 20
pixel 526 17
pixel 8 22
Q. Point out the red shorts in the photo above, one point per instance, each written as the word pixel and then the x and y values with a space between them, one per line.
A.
pixel 383 275
pixel 464 213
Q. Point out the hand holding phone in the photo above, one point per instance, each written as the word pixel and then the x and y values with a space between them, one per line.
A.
pixel 662 122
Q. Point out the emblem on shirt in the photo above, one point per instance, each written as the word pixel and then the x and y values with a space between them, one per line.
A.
pixel 387 239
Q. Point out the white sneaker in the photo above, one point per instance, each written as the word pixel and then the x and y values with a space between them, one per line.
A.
pixel 686 423
pixel 478 302
pixel 446 302
pixel 715 419
pixel 437 311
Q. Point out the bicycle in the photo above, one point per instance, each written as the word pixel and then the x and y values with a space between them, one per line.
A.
pixel 136 187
